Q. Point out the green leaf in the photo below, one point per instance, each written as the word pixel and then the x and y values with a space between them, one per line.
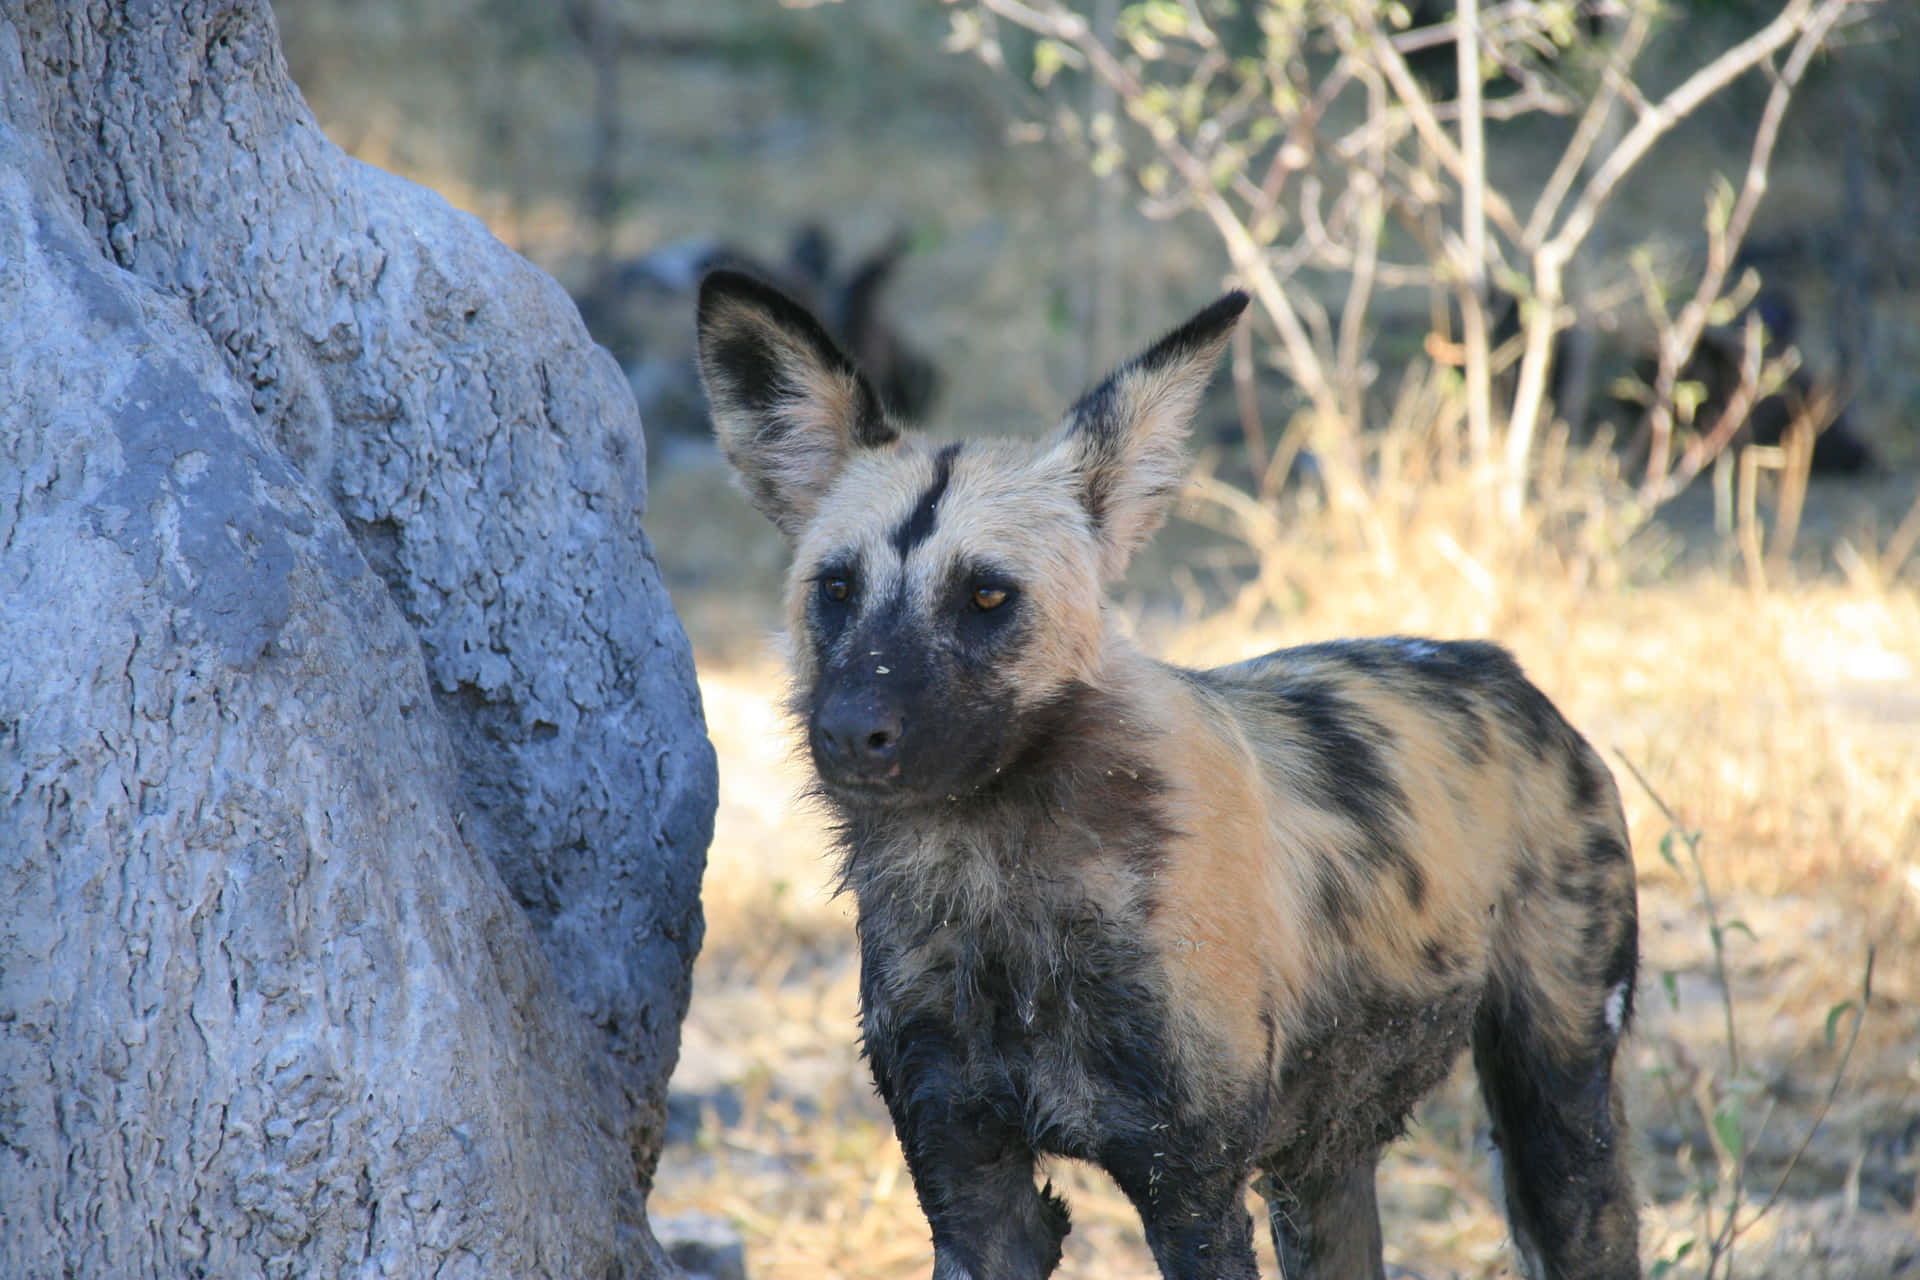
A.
pixel 1742 926
pixel 1671 982
pixel 1048 57
pixel 1166 17
pixel 1633 391
pixel 1666 849
pixel 1730 1126
pixel 1672 1260
pixel 1833 1019
pixel 1719 204
pixel 1688 396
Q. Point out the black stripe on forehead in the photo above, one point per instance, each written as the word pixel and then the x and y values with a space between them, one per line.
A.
pixel 918 526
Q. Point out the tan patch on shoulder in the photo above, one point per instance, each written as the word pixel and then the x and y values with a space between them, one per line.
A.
pixel 1226 918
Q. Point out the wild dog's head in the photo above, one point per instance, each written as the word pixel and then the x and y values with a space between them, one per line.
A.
pixel 944 600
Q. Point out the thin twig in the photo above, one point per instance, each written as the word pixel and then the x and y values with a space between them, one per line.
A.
pixel 1826 1103
pixel 1370 216
pixel 1714 932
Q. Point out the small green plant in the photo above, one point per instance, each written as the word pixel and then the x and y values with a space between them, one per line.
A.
pixel 1725 1101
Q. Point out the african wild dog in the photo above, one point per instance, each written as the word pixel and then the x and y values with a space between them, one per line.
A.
pixel 1188 925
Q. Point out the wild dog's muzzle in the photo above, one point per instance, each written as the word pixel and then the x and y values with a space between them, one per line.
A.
pixel 856 736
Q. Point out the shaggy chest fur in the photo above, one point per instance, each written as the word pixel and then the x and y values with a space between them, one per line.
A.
pixel 1004 966
pixel 1067 1049
pixel 1042 1005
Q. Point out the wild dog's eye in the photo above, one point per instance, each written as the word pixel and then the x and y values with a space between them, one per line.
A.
pixel 985 598
pixel 836 588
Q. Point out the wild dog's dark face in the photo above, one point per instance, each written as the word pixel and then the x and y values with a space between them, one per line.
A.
pixel 945 600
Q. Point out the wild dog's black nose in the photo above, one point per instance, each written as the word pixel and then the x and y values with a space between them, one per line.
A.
pixel 858 735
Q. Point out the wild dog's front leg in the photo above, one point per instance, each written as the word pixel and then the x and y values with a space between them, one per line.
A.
pixel 1332 1233
pixel 990 1220
pixel 974 1176
pixel 972 1170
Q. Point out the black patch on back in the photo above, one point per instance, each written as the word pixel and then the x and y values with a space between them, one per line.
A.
pixel 1526 876
pixel 1583 780
pixel 1493 670
pixel 1351 774
pixel 1336 902
pixel 1455 677
pixel 1575 882
pixel 1604 847
pixel 1462 679
pixel 1451 673
pixel 1443 676
pixel 918 526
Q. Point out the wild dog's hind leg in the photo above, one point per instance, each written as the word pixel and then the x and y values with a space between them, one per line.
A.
pixel 1557 1123
pixel 1329 1234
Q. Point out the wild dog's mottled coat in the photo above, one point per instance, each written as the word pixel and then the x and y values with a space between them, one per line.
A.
pixel 1190 925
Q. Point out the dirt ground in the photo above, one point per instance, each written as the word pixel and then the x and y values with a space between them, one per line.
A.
pixel 1782 726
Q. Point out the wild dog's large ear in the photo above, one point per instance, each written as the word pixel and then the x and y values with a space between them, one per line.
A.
pixel 787 405
pixel 1126 438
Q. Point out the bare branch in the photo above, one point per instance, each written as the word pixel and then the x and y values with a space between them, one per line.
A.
pixel 1826 1103
pixel 1369 217
pixel 1592 124
pixel 1723 243
pixel 1794 20
pixel 1293 155
pixel 1414 99
pixel 1473 240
